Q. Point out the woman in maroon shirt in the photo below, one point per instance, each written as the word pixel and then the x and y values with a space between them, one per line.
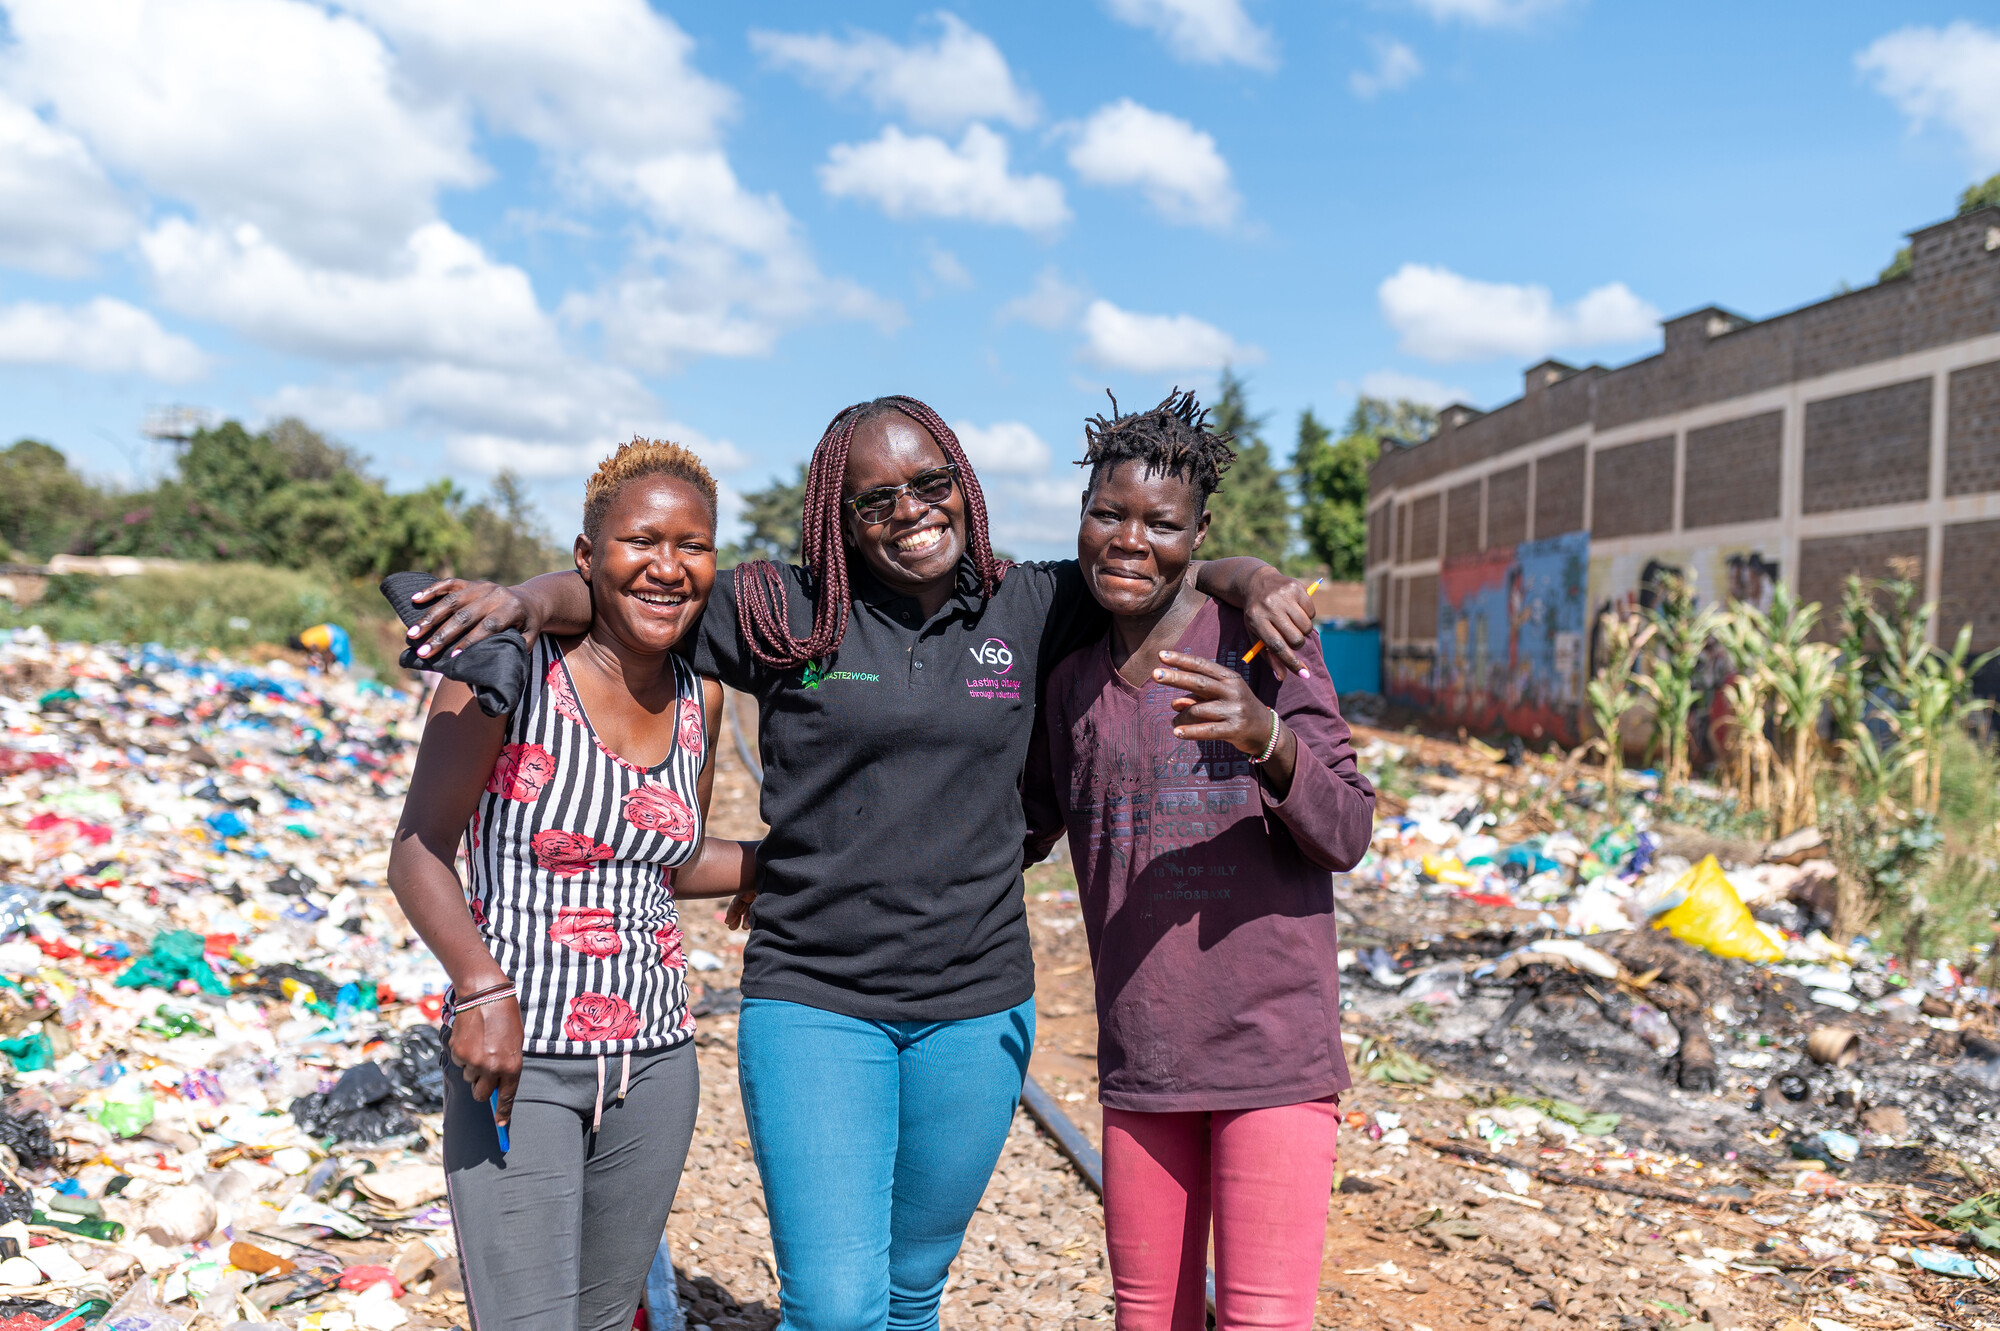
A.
pixel 1208 801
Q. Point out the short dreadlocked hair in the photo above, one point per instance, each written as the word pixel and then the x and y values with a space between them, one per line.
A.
pixel 1173 439
pixel 641 458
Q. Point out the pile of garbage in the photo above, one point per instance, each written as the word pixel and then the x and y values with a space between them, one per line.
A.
pixel 1644 999
pixel 222 1093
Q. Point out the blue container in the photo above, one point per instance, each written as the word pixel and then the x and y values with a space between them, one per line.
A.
pixel 1353 656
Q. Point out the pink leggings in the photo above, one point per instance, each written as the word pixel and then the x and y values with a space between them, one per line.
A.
pixel 1265 1173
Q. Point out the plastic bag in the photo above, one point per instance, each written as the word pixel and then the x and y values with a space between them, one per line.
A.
pixel 361 1107
pixel 1712 917
pixel 176 955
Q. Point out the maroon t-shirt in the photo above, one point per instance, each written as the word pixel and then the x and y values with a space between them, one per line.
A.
pixel 1208 900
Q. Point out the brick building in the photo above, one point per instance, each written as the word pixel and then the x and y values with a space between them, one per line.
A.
pixel 1859 434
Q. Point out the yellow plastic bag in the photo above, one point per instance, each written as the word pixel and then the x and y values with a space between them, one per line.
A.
pixel 1447 869
pixel 1712 917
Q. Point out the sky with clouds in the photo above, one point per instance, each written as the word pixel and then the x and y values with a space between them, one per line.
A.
pixel 466 235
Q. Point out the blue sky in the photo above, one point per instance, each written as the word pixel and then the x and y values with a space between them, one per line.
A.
pixel 468 234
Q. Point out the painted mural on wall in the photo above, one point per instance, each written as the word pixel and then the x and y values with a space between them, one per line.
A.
pixel 1511 644
pixel 1721 574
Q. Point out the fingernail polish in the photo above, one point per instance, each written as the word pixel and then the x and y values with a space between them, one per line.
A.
pixel 1305 673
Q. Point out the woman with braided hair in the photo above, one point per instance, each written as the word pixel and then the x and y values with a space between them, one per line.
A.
pixel 888 983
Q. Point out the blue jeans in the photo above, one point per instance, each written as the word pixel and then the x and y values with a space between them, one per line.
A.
pixel 875 1140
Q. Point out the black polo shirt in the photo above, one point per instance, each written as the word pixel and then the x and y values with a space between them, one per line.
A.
pixel 890 883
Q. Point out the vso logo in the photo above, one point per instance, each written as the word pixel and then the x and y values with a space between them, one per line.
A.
pixel 994 654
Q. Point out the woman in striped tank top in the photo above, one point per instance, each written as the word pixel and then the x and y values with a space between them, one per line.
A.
pixel 571 1094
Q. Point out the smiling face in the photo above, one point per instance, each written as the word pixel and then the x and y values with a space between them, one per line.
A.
pixel 919 545
pixel 1139 531
pixel 652 565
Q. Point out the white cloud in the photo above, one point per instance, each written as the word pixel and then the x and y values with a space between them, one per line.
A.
pixel 723 273
pixel 102 335
pixel 329 406
pixel 1034 511
pixel 1395 66
pixel 1391 385
pixel 956 79
pixel 441 298
pixel 1202 32
pixel 1950 74
pixel 56 207
pixel 603 76
pixel 1174 164
pixel 1052 303
pixel 923 176
pixel 1004 448
pixel 1157 343
pixel 1488 13
pixel 490 453
pixel 945 266
pixel 272 112
pixel 1442 316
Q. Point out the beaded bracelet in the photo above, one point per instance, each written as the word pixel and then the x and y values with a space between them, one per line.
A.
pixel 1270 745
pixel 483 1000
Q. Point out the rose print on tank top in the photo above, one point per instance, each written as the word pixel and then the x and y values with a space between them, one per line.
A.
pixel 566 854
pixel 520 772
pixel 591 930
pixel 561 696
pixel 690 725
pixel 657 809
pixel 669 939
pixel 600 1017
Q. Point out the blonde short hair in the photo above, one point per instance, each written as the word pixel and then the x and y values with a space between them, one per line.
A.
pixel 641 458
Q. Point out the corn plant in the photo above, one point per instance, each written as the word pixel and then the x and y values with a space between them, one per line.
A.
pixel 1610 694
pixel 1682 629
pixel 1795 676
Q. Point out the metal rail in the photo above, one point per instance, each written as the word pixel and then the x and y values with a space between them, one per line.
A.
pixel 756 768
pixel 1041 1106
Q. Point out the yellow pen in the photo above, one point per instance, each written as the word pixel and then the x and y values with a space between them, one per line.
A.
pixel 1258 646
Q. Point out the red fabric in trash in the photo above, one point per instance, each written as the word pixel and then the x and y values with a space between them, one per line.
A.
pixel 361 1277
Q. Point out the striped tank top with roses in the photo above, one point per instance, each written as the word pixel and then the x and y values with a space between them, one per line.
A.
pixel 571 853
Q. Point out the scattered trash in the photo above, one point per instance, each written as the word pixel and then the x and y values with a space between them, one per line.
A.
pixel 219 1031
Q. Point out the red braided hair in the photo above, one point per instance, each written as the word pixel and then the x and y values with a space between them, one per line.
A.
pixel 760 585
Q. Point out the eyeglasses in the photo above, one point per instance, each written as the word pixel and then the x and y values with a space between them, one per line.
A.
pixel 930 488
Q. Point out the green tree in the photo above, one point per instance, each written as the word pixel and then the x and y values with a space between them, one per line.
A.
pixel 288 497
pixel 45 507
pixel 1333 477
pixel 771 521
pixel 1252 513
pixel 509 541
pixel 1984 194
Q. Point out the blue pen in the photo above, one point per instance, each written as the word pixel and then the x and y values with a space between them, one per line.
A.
pixel 498 1126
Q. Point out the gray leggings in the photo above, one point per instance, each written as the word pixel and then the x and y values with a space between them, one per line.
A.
pixel 558 1233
